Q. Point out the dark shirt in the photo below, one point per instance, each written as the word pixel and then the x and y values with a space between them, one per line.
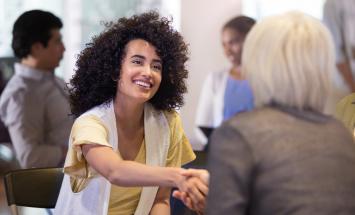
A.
pixel 281 161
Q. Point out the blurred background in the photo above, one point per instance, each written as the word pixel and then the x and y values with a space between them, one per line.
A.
pixel 199 21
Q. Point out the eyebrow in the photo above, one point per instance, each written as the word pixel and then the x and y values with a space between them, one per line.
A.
pixel 143 58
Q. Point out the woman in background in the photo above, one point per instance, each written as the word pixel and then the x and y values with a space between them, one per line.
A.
pixel 225 93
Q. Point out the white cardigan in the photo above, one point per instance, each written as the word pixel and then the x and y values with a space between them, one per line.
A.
pixel 94 199
pixel 211 103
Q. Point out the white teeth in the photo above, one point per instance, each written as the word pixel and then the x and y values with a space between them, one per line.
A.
pixel 142 84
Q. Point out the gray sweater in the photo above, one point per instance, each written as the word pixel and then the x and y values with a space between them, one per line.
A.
pixel 278 160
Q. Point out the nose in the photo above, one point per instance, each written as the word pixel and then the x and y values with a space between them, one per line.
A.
pixel 147 71
pixel 63 47
pixel 227 49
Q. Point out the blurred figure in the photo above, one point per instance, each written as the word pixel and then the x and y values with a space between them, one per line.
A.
pixel 215 104
pixel 4 134
pixel 285 156
pixel 345 112
pixel 339 16
pixel 34 105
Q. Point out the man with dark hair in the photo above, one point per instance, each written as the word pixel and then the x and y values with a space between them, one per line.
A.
pixel 34 105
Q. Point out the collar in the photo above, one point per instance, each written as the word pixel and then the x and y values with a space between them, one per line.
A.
pixel 32 73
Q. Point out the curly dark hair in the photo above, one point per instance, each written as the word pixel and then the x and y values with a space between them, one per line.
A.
pixel 99 63
pixel 31 27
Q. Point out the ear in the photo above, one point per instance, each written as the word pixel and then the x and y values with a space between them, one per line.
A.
pixel 36 49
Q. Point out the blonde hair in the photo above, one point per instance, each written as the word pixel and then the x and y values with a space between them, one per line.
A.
pixel 289 59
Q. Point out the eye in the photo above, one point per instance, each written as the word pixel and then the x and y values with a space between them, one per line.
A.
pixel 157 67
pixel 136 61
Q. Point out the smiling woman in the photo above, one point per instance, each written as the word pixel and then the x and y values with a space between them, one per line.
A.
pixel 141 72
pixel 127 135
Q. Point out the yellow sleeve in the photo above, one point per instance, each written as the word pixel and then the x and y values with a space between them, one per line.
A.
pixel 180 150
pixel 86 130
pixel 345 111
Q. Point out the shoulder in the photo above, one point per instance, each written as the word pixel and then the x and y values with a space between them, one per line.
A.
pixel 20 92
pixel 345 102
pixel 172 117
pixel 89 121
pixel 222 73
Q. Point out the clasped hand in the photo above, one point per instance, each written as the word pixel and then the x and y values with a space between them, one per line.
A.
pixel 193 189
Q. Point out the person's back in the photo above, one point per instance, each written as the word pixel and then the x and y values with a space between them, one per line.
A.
pixel 34 104
pixel 297 162
pixel 286 156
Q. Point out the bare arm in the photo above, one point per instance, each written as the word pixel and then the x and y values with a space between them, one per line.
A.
pixel 332 17
pixel 129 173
pixel 161 205
pixel 345 71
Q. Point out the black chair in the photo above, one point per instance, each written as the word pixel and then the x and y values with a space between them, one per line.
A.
pixel 37 187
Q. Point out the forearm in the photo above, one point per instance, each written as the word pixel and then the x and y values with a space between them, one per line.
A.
pixel 161 203
pixel 129 173
pixel 30 153
pixel 345 71
pixel 160 208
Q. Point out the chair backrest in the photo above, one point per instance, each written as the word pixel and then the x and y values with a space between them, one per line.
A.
pixel 37 187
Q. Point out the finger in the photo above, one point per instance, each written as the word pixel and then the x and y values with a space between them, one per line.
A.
pixel 200 173
pixel 202 187
pixel 194 193
pixel 177 194
pixel 188 203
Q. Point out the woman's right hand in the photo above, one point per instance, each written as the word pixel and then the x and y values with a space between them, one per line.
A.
pixel 193 188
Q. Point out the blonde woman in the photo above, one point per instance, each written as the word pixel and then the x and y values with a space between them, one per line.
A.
pixel 285 156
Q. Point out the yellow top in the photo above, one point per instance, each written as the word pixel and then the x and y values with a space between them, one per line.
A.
pixel 124 200
pixel 345 112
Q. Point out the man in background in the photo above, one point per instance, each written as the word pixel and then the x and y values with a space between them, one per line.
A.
pixel 34 104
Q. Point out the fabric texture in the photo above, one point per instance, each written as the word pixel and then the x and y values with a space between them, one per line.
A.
pixel 238 97
pixel 90 128
pixel 212 104
pixel 35 109
pixel 339 16
pixel 277 160
pixel 345 112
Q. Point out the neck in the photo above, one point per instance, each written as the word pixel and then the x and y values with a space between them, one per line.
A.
pixel 128 114
pixel 32 62
pixel 235 72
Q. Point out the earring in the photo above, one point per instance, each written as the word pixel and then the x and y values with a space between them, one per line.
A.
pixel 114 79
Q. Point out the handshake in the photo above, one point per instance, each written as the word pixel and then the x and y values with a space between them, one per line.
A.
pixel 193 189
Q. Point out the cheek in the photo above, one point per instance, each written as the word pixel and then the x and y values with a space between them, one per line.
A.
pixel 237 48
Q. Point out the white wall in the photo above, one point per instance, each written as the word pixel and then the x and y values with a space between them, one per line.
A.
pixel 201 22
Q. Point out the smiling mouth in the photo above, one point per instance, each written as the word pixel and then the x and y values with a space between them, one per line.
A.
pixel 143 84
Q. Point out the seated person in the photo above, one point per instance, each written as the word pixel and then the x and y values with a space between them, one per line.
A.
pixel 285 156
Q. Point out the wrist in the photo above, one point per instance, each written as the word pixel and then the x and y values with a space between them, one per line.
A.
pixel 179 178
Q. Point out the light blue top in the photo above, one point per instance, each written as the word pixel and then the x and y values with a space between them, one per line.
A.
pixel 238 97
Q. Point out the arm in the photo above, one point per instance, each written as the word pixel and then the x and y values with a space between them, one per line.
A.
pixel 332 16
pixel 345 71
pixel 26 127
pixel 230 164
pixel 129 173
pixel 161 203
